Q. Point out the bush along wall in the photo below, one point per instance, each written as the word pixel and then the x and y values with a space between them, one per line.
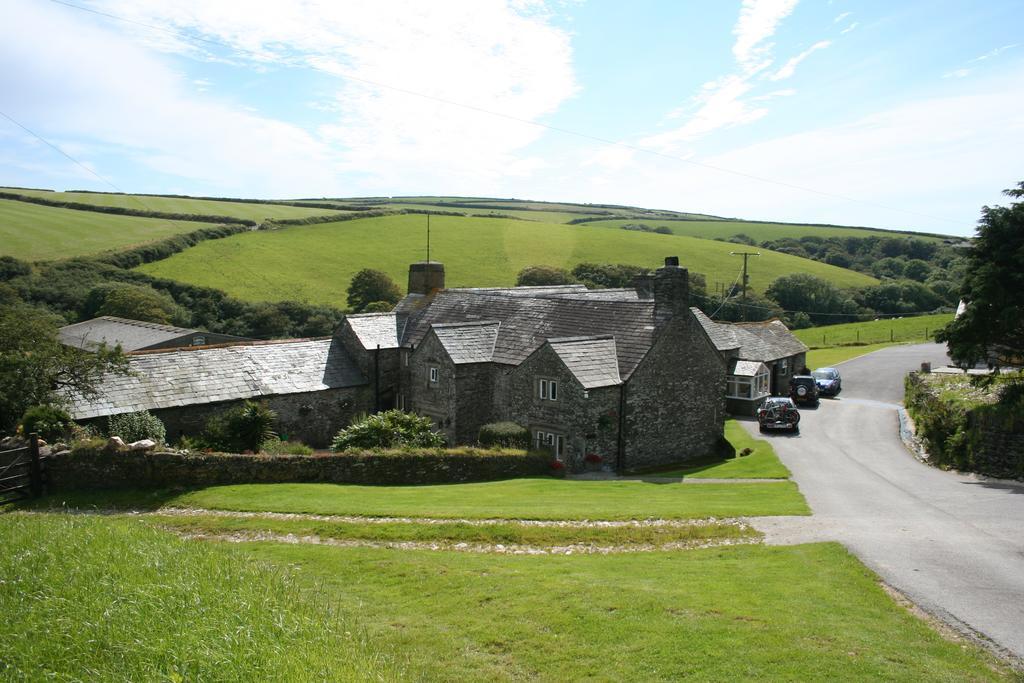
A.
pixel 92 467
pixel 986 438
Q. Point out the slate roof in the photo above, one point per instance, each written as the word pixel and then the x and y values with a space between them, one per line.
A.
pixel 624 294
pixel 592 360
pixel 372 329
pixel 527 322
pixel 762 341
pixel 745 368
pixel 132 335
pixel 531 291
pixel 468 342
pixel 167 379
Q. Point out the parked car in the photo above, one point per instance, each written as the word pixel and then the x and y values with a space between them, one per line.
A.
pixel 828 380
pixel 803 389
pixel 778 412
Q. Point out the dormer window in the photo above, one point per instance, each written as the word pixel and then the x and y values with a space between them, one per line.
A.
pixel 547 389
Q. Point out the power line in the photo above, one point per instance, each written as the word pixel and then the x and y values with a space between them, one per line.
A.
pixel 509 117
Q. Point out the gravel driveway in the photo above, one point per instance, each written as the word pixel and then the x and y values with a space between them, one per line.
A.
pixel 952 543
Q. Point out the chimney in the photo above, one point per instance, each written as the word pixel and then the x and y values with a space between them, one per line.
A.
pixel 671 291
pixel 426 277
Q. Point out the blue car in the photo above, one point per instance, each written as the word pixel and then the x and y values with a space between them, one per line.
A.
pixel 828 380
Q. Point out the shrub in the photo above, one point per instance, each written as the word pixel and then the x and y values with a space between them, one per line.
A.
pixel 137 426
pixel 48 421
pixel 390 429
pixel 504 435
pixel 533 276
pixel 244 428
pixel 278 447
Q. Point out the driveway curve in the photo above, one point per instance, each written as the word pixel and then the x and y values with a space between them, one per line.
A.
pixel 952 543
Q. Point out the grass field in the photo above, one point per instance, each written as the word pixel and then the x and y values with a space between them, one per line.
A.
pixel 827 357
pixel 809 612
pixel 762 463
pixel 252 211
pixel 93 598
pixel 35 233
pixel 315 263
pixel 758 231
pixel 915 329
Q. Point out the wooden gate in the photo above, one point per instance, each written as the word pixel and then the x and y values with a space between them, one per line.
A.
pixel 22 472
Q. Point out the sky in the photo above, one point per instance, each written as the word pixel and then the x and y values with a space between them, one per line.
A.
pixel 905 115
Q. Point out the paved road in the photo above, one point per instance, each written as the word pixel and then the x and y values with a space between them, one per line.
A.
pixel 954 544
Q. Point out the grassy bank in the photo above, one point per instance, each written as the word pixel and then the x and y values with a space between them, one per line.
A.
pixel 915 329
pixel 111 599
pixel 541 498
pixel 476 252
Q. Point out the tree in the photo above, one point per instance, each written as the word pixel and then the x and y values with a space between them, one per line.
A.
pixel 604 275
pixel 543 275
pixel 820 299
pixel 370 285
pixel 917 269
pixel 36 369
pixel 135 302
pixel 992 326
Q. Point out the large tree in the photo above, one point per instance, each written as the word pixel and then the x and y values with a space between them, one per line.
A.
pixel 820 299
pixel 992 326
pixel 35 368
pixel 369 286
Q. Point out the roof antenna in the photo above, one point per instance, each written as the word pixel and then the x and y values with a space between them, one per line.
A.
pixel 428 238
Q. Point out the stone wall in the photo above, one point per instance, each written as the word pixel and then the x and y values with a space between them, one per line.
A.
pixel 587 419
pixel 313 418
pixel 373 363
pixel 675 398
pixel 474 399
pixel 436 400
pixel 89 469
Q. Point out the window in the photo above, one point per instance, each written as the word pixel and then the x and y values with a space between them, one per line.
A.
pixel 400 402
pixel 434 375
pixel 198 341
pixel 547 389
pixel 783 367
pixel 755 387
pixel 405 358
pixel 550 441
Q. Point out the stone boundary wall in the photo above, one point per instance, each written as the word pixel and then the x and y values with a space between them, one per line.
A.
pixel 982 439
pixel 103 469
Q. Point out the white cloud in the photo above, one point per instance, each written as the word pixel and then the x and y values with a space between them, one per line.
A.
pixel 757 23
pixel 487 54
pixel 790 67
pixel 102 81
pixel 841 17
pixel 849 28
pixel 992 53
pixel 957 73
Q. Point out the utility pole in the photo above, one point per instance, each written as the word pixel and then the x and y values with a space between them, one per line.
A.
pixel 746 278
pixel 428 238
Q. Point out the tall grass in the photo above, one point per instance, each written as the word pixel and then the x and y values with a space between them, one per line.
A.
pixel 87 598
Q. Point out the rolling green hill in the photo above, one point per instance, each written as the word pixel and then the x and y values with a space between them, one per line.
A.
pixel 33 232
pixel 315 263
pixel 758 231
pixel 255 211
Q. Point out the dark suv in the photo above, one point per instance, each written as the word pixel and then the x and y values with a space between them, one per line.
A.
pixel 803 389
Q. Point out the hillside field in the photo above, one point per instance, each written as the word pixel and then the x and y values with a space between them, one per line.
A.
pixel 315 263
pixel 916 329
pixel 760 232
pixel 35 233
pixel 207 207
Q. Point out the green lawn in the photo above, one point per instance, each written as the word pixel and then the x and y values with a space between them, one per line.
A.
pixel 450 533
pixel 35 233
pixel 101 599
pixel 762 463
pixel 825 358
pixel 800 613
pixel 249 210
pixel 275 265
pixel 760 232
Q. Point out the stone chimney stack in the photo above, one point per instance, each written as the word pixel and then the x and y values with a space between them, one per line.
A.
pixel 671 291
pixel 426 277
pixel 644 286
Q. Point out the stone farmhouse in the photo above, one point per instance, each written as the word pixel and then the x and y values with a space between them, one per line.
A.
pixel 136 335
pixel 635 376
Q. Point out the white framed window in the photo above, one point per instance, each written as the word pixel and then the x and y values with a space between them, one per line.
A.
pixel 758 386
pixel 434 375
pixel 551 441
pixel 783 366
pixel 198 340
pixel 547 389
